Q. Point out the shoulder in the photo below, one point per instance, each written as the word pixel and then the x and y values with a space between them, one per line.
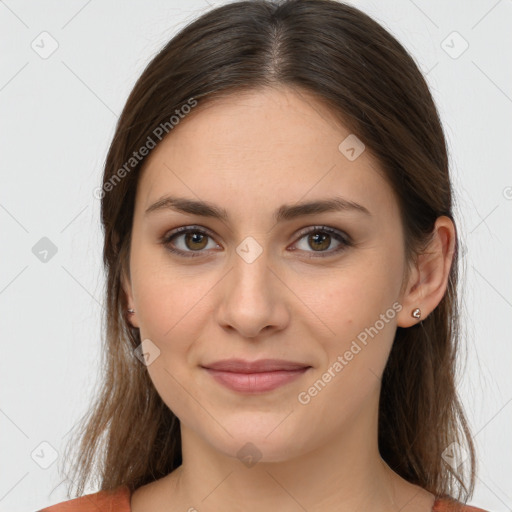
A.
pixel 448 504
pixel 116 500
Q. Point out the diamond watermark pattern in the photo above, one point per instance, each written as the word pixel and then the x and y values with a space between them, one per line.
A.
pixel 44 250
pixel 249 249
pixel 454 455
pixel 351 147
pixel 44 45
pixel 249 454
pixel 147 352
pixel 44 455
pixel 454 45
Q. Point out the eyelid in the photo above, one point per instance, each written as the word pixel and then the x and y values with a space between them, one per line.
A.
pixel 319 227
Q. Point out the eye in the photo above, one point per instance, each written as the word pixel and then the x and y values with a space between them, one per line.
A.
pixel 194 241
pixel 321 237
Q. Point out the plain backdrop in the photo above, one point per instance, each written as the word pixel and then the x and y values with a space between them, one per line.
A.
pixel 59 102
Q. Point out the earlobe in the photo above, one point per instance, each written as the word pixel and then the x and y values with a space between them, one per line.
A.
pixel 429 279
pixel 411 313
pixel 129 310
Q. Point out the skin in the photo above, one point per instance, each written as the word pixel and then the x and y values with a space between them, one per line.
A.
pixel 250 154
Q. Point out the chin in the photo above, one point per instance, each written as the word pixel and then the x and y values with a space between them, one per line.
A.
pixel 258 441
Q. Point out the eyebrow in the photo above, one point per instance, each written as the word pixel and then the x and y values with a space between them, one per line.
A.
pixel 283 213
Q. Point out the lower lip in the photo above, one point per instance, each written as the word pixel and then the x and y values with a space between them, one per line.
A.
pixel 255 382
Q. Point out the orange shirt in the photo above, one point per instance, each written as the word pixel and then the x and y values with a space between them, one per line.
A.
pixel 118 500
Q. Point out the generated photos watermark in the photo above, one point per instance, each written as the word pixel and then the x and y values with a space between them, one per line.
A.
pixel 305 397
pixel 137 156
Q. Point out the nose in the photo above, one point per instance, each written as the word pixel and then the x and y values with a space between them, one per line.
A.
pixel 253 298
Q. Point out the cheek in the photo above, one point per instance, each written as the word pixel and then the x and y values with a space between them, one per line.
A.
pixel 358 308
pixel 173 314
pixel 362 321
pixel 171 300
pixel 352 298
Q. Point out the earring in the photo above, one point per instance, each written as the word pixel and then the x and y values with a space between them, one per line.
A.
pixel 416 313
pixel 131 311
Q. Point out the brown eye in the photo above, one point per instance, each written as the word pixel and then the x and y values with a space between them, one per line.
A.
pixel 320 239
pixel 195 240
pixel 187 241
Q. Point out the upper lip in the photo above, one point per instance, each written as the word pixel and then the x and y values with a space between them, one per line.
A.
pixel 262 365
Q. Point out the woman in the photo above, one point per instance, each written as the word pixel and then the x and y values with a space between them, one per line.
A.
pixel 281 262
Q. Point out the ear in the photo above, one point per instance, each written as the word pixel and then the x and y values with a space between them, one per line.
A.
pixel 127 288
pixel 428 279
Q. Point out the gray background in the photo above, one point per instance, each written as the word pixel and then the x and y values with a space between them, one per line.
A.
pixel 58 115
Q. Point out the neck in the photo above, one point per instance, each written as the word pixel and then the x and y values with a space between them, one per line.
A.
pixel 345 472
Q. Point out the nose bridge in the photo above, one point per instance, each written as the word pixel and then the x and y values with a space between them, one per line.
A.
pixel 250 298
pixel 251 265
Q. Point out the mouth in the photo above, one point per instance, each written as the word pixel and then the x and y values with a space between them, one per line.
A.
pixel 255 377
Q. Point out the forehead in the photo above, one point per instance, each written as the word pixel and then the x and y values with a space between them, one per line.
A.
pixel 262 145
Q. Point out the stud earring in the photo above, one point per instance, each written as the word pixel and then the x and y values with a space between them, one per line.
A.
pixel 131 311
pixel 416 313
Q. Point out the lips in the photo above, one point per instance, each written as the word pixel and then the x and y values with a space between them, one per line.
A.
pixel 260 366
pixel 256 376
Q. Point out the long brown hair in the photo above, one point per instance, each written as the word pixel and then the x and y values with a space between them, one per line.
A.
pixel 352 64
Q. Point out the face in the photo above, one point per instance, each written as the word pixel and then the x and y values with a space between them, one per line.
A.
pixel 320 287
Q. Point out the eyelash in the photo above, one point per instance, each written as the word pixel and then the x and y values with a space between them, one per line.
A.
pixel 338 235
